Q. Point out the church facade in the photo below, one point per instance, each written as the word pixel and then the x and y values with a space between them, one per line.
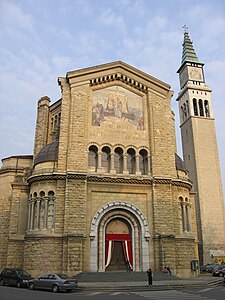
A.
pixel 104 190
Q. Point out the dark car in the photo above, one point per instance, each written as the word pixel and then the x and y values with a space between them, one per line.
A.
pixel 14 276
pixel 54 282
pixel 222 272
pixel 217 269
pixel 203 268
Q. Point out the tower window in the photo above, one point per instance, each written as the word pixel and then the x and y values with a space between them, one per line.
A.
pixel 195 107
pixel 206 107
pixel 201 110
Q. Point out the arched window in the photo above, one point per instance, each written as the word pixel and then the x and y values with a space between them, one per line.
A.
pixel 201 110
pixel 182 110
pixel 187 215
pixel 55 122
pixel 182 212
pixel 185 111
pixel 59 119
pixel 143 161
pixel 131 161
pixel 195 107
pixel 118 160
pixel 52 125
pixel 93 158
pixel 106 159
pixel 206 106
pixel 188 113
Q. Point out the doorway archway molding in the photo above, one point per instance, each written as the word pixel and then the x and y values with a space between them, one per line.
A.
pixel 101 217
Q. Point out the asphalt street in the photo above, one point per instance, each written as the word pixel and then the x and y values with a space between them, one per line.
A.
pixel 209 293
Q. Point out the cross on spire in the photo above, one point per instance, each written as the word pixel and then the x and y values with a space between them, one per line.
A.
pixel 185 29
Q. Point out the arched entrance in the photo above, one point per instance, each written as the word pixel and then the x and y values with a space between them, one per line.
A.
pixel 115 218
pixel 118 246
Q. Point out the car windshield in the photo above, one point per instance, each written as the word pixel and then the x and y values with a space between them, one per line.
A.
pixel 63 276
pixel 22 273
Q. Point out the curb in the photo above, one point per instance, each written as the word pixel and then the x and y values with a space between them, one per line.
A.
pixel 146 288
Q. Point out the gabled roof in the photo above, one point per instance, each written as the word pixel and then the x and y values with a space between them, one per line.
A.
pixel 117 67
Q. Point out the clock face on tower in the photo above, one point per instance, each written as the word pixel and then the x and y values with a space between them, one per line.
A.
pixel 196 74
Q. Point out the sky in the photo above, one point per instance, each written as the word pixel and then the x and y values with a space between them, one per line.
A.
pixel 42 40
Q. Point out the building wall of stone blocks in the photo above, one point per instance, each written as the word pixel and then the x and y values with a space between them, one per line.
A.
pixel 74 254
pixel 209 188
pixel 5 193
pixel 43 254
pixel 13 196
pixel 15 254
pixel 42 125
pixel 75 207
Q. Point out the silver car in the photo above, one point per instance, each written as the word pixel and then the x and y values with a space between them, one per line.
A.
pixel 54 282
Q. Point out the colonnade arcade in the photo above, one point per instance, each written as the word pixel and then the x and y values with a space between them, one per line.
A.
pixel 185 214
pixel 118 160
pixel 41 211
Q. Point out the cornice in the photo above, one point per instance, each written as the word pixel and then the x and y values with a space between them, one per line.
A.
pixel 112 179
pixel 119 77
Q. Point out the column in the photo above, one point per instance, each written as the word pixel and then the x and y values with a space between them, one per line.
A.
pixel 149 165
pixel 99 161
pixel 46 213
pixel 112 167
pixel 101 256
pixel 136 256
pixel 32 216
pixel 29 215
pixel 125 171
pixel 138 172
pixel 38 214
pixel 189 218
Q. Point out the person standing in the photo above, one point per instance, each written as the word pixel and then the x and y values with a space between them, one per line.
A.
pixel 149 274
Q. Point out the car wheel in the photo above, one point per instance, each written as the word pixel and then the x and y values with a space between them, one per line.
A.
pixel 55 288
pixel 18 284
pixel 2 282
pixel 31 286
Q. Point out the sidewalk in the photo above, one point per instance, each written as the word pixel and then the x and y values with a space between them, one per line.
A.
pixel 200 281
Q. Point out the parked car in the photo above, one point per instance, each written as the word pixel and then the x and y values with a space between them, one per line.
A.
pixel 222 272
pixel 14 276
pixel 54 282
pixel 203 268
pixel 210 267
pixel 217 269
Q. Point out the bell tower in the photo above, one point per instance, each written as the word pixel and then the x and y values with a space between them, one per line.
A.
pixel 200 152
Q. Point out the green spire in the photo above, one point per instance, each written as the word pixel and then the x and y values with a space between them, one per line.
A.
pixel 188 54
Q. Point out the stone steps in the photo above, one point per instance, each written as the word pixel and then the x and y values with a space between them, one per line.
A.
pixel 120 276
